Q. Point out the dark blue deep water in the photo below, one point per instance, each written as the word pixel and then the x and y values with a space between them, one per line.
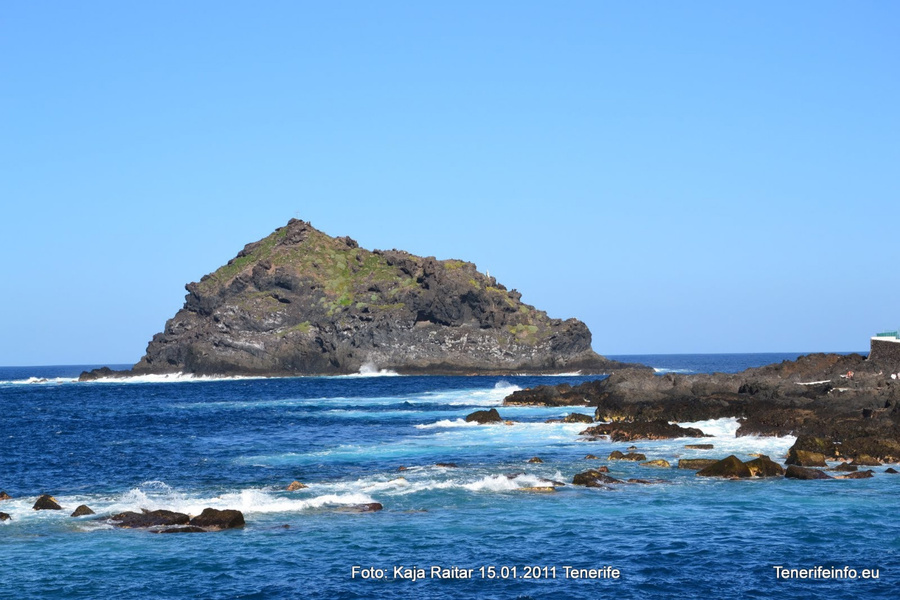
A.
pixel 188 444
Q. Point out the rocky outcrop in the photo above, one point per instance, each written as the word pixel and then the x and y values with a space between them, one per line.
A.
pixel 148 518
pixel 805 458
pixel 484 417
pixel 361 508
pixel 729 467
pixel 212 519
pixel 795 472
pixel 82 510
pixel 5 496
pixel 847 404
pixel 641 430
pixel 594 478
pixel 696 464
pixel 4 516
pixel 296 485
pixel 764 467
pixel 46 502
pixel 299 302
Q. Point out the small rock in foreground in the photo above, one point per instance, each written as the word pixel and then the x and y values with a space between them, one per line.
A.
pixel 212 519
pixel 46 502
pixel 83 510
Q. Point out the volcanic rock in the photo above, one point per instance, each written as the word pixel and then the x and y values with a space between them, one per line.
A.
pixel 659 462
pixel 5 496
pixel 803 458
pixel 82 511
pixel 857 475
pixel 764 466
pixel 361 508
pixel 300 302
pixel 483 417
pixel 46 502
pixel 296 485
pixel 796 472
pixel 578 418
pixel 864 460
pixel 641 430
pixel 4 516
pixel 730 467
pixel 147 518
pixel 699 446
pixel 593 478
pixel 535 459
pixel 212 519
pixel 696 464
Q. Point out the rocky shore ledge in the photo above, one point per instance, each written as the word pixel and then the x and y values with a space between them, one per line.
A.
pixel 841 407
pixel 300 302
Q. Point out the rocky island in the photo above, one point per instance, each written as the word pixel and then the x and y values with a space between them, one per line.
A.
pixel 300 302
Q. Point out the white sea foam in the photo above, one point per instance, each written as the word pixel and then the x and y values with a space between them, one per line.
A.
pixel 447 423
pixel 664 370
pixel 369 369
pixel 40 381
pixel 173 378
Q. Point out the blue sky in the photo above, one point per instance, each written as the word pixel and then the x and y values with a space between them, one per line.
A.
pixel 683 177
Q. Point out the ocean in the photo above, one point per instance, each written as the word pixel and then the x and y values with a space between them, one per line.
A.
pixel 467 531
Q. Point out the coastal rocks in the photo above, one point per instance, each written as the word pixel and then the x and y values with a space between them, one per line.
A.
pixel 590 457
pixel 483 417
pixel 541 489
pixel 659 462
pixel 845 467
pixel 446 465
pixel 578 418
pixel 641 430
pixel 594 478
pixel 147 518
pixel 797 472
pixel 46 502
pixel 4 516
pixel 5 496
pixel 892 471
pixel 296 485
pixel 695 464
pixel 729 467
pixel 300 302
pixel 764 466
pixel 535 459
pixel 361 508
pixel 856 475
pixel 82 510
pixel 804 458
pixel 864 460
pixel 618 455
pixel 212 519
pixel 699 446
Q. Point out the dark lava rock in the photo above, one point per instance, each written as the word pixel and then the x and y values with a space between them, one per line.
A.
pixel 300 302
pixel 764 467
pixel 857 475
pixel 5 496
pixel 4 516
pixel 483 417
pixel 594 478
pixel 148 518
pixel 361 508
pixel 82 510
pixel 646 481
pixel 615 455
pixel 215 520
pixel 447 465
pixel 699 446
pixel 659 462
pixel 635 456
pixel 638 430
pixel 590 457
pixel 730 467
pixel 864 460
pixel 186 529
pixel 578 418
pixel 804 458
pixel 695 464
pixel 845 467
pixel 103 373
pixel 891 470
pixel 535 459
pixel 46 502
pixel 796 472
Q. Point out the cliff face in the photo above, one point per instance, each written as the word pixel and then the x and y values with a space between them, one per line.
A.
pixel 301 302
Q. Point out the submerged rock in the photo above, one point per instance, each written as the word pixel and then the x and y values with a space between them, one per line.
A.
pixel 296 485
pixel 447 465
pixel 483 417
pixel 695 464
pixel 544 489
pixel 729 467
pixel 535 459
pixel 699 446
pixel 5 496
pixel 659 462
pixel 46 502
pixel 864 460
pixel 212 519
pixel 891 470
pixel 857 475
pixel 4 516
pixel 590 457
pixel 578 418
pixel 797 472
pixel 82 511
pixel 361 508
pixel 183 529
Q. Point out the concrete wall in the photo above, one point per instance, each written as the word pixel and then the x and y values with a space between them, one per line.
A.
pixel 885 351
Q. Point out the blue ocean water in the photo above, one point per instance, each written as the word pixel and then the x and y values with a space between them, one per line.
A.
pixel 185 444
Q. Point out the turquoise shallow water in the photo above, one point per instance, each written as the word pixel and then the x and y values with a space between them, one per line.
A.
pixel 185 445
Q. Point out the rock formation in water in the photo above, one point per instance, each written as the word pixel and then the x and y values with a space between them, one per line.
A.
pixel 300 302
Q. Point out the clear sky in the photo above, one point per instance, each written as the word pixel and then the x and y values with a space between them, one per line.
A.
pixel 683 177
